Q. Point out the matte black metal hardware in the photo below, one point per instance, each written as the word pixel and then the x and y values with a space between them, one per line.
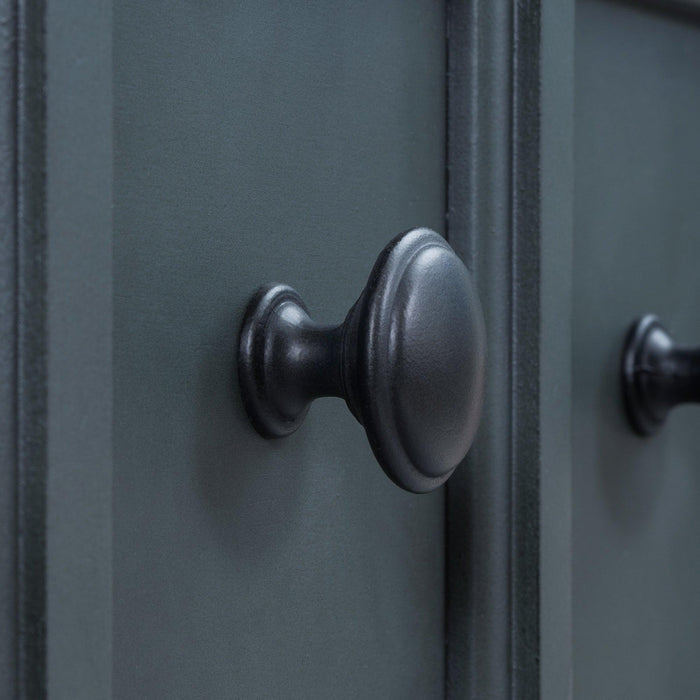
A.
pixel 657 374
pixel 409 360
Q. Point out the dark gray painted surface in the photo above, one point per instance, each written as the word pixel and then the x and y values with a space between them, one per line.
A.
pixel 637 246
pixel 30 396
pixel 258 142
pixel 8 224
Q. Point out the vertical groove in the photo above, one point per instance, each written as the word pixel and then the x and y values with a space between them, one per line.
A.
pixel 8 333
pixel 31 351
pixel 525 420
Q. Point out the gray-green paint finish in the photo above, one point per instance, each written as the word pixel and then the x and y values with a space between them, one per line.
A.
pixel 258 142
pixel 637 246
pixel 79 349
pixel 556 120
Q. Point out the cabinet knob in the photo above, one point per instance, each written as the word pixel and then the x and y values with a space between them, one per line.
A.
pixel 657 374
pixel 409 360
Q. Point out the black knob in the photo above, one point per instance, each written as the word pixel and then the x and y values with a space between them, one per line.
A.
pixel 409 360
pixel 657 374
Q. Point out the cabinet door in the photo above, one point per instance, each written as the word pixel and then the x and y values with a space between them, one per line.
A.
pixel 163 161
pixel 637 245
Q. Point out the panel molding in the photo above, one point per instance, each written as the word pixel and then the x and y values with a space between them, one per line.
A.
pixel 510 140
pixel 50 433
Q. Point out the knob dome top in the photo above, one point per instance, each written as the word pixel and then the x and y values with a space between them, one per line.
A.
pixel 419 360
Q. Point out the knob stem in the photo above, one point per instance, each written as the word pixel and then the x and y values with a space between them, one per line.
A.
pixel 683 376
